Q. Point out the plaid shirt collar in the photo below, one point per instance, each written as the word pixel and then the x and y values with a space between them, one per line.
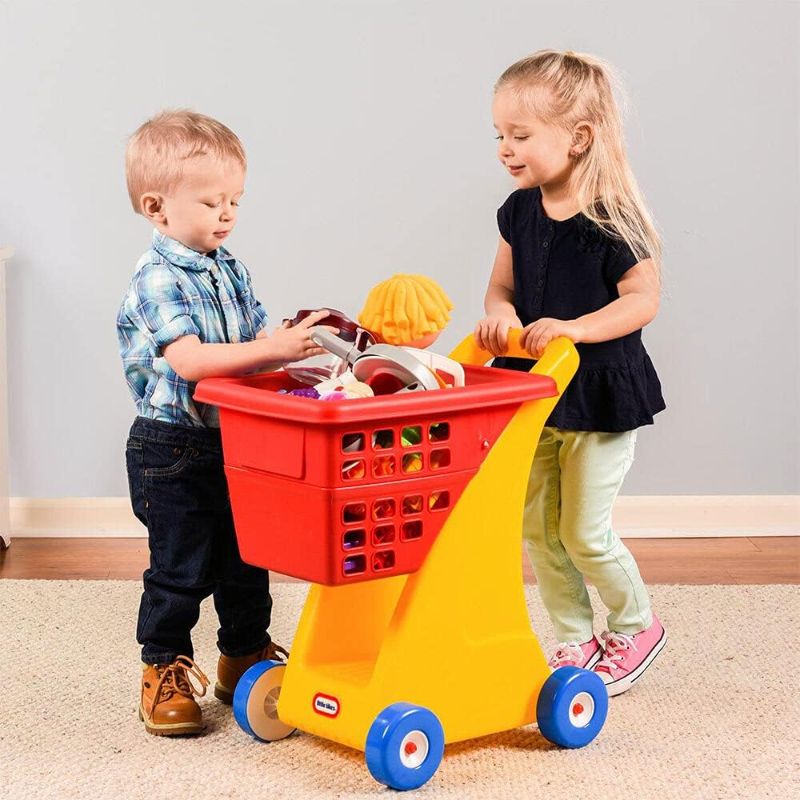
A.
pixel 182 256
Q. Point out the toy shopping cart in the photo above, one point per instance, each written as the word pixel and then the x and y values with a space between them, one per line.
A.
pixel 405 512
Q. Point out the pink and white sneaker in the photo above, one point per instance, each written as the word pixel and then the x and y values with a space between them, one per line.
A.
pixel 627 657
pixel 572 654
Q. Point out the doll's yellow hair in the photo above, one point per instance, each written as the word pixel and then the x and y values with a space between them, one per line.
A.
pixel 405 308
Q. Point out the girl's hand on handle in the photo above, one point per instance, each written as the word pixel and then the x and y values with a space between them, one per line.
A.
pixel 536 336
pixel 491 333
pixel 293 343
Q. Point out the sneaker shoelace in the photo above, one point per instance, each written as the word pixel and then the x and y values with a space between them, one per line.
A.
pixel 615 646
pixel 174 678
pixel 566 652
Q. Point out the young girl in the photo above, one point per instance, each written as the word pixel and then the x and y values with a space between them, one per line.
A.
pixel 578 256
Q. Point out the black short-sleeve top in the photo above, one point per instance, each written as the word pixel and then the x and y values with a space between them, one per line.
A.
pixel 565 269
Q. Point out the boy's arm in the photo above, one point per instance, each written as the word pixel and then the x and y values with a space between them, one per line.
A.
pixel 194 360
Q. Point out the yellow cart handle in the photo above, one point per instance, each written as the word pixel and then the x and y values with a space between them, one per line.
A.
pixel 559 360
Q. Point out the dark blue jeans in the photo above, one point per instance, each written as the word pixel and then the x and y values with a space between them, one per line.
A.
pixel 178 490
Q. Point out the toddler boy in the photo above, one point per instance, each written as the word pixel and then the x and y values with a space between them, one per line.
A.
pixel 190 313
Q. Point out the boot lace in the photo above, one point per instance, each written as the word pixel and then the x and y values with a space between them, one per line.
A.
pixel 174 679
pixel 275 652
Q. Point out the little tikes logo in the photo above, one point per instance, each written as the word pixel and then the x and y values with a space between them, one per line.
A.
pixel 326 705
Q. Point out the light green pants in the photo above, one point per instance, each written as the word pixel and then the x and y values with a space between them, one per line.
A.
pixel 574 480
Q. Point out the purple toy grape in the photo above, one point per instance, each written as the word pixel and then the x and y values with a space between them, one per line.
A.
pixel 308 391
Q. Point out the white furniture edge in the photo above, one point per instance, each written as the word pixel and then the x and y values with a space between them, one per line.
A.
pixel 635 517
pixel 5 526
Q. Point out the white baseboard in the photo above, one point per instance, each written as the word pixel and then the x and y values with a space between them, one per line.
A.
pixel 72 517
pixel 635 517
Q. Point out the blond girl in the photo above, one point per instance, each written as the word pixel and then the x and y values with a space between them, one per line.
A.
pixel 578 256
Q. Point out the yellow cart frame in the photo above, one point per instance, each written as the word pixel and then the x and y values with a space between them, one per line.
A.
pixel 426 638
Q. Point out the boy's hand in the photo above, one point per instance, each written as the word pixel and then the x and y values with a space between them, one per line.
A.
pixel 491 333
pixel 536 336
pixel 294 343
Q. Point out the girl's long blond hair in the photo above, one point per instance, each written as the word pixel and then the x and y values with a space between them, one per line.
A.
pixel 579 89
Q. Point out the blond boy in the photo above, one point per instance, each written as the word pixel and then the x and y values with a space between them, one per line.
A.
pixel 190 313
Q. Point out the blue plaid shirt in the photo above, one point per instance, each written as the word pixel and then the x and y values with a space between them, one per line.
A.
pixel 174 292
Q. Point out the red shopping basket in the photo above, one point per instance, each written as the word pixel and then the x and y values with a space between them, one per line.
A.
pixel 344 491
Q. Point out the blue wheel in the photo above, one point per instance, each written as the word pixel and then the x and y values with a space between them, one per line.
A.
pixel 404 746
pixel 572 707
pixel 255 701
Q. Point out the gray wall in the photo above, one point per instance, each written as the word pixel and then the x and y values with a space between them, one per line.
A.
pixel 371 150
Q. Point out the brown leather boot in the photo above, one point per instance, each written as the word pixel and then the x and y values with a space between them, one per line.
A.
pixel 229 670
pixel 168 707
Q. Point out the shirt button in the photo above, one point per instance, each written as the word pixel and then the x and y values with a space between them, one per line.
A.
pixel 546 243
pixel 541 282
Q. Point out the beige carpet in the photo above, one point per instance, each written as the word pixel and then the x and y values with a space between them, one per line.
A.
pixel 717 716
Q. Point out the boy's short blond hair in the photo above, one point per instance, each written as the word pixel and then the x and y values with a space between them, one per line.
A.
pixel 155 153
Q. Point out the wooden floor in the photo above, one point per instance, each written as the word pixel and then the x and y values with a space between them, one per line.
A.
pixel 698 561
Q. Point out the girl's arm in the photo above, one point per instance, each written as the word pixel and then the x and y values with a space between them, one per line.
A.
pixel 636 306
pixel 491 333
